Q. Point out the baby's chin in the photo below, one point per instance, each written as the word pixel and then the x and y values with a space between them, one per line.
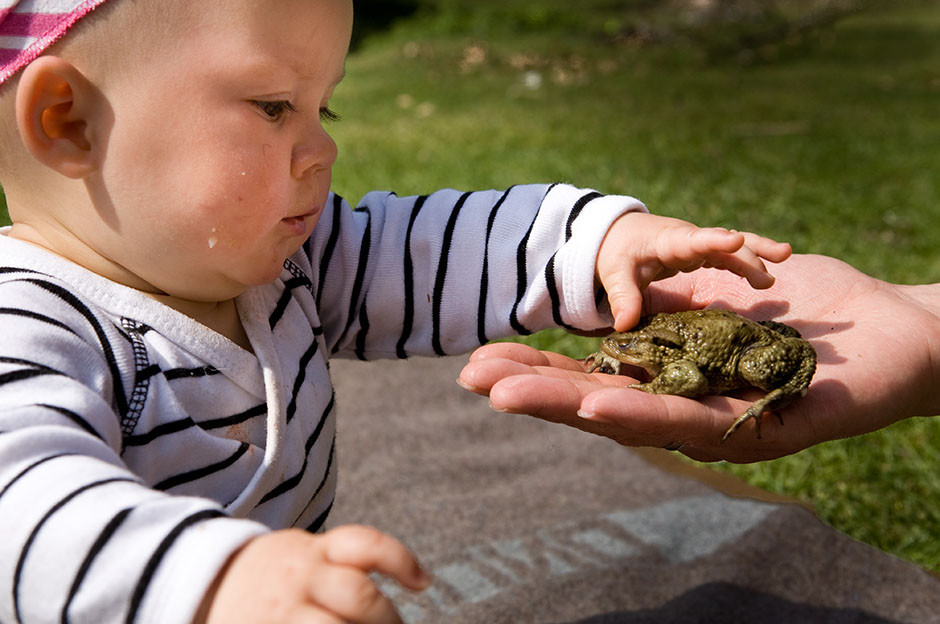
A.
pixel 201 290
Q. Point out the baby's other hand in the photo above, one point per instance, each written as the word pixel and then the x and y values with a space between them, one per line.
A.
pixel 642 248
pixel 295 576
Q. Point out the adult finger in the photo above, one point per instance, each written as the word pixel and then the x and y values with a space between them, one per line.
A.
pixel 549 392
pixel 697 426
pixel 656 419
pixel 524 354
pixel 480 374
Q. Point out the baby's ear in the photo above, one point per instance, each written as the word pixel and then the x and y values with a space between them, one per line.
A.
pixel 55 108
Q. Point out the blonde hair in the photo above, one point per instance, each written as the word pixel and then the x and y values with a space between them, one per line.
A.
pixel 9 133
pixel 107 41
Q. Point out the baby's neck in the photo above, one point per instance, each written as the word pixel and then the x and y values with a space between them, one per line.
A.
pixel 221 317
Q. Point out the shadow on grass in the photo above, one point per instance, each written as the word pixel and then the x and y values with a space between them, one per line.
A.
pixel 376 16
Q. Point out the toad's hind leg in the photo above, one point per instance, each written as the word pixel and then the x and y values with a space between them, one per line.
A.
pixel 759 370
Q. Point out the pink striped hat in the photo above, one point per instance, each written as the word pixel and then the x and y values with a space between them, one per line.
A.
pixel 27 27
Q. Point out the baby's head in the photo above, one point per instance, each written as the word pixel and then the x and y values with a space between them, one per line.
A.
pixel 177 147
pixel 99 38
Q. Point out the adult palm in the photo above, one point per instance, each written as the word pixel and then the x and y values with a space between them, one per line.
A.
pixel 879 362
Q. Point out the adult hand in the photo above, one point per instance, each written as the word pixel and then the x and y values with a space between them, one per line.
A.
pixel 879 362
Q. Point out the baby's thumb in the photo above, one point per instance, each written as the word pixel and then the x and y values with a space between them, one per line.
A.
pixel 626 303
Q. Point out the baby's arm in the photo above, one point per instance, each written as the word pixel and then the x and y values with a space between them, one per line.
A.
pixel 471 267
pixel 291 575
pixel 642 248
pixel 443 273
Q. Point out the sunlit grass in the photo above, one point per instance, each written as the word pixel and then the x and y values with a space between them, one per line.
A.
pixel 833 148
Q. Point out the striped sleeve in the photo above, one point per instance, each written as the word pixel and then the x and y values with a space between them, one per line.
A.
pixel 84 539
pixel 443 273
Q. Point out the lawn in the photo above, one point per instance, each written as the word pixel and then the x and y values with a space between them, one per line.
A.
pixel 829 142
pixel 825 137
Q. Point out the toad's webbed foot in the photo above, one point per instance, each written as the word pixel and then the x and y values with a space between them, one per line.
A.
pixel 749 414
pixel 774 400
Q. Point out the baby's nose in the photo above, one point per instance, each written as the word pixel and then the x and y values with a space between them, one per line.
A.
pixel 314 155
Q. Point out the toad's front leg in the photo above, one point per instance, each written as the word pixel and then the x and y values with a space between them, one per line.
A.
pixel 682 378
pixel 602 363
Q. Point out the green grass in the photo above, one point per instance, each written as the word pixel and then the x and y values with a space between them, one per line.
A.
pixel 830 144
pixel 834 150
pixel 828 140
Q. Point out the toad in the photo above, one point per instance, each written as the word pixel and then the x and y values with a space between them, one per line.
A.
pixel 709 351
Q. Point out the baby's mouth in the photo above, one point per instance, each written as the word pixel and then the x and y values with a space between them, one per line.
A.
pixel 298 223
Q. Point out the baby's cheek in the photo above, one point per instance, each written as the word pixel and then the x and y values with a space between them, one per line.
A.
pixel 235 200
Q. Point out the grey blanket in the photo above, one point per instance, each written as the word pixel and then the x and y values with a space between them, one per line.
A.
pixel 523 521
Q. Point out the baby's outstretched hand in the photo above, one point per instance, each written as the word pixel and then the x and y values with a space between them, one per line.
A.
pixel 295 576
pixel 642 248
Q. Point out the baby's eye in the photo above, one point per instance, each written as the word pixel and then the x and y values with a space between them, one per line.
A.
pixel 328 116
pixel 275 109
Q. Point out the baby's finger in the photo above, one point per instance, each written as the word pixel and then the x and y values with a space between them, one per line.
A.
pixel 740 253
pixel 624 288
pixel 349 593
pixel 767 248
pixel 312 614
pixel 370 550
pixel 745 263
pixel 703 241
pixel 686 247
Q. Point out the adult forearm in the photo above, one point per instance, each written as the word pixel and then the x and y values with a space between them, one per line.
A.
pixel 924 301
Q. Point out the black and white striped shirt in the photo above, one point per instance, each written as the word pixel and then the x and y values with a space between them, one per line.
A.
pixel 139 449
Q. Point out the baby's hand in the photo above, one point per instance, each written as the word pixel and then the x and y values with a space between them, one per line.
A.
pixel 642 248
pixel 295 576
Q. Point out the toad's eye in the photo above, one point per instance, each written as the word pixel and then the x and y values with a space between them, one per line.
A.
pixel 274 109
pixel 329 116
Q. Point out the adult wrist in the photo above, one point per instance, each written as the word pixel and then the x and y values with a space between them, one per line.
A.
pixel 925 302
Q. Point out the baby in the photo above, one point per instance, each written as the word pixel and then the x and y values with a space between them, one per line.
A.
pixel 177 276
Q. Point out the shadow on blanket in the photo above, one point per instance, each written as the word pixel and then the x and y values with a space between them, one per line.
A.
pixel 723 603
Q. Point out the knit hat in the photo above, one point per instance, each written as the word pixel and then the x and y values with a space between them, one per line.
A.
pixel 28 27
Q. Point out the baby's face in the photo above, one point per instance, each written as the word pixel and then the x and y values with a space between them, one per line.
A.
pixel 218 164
